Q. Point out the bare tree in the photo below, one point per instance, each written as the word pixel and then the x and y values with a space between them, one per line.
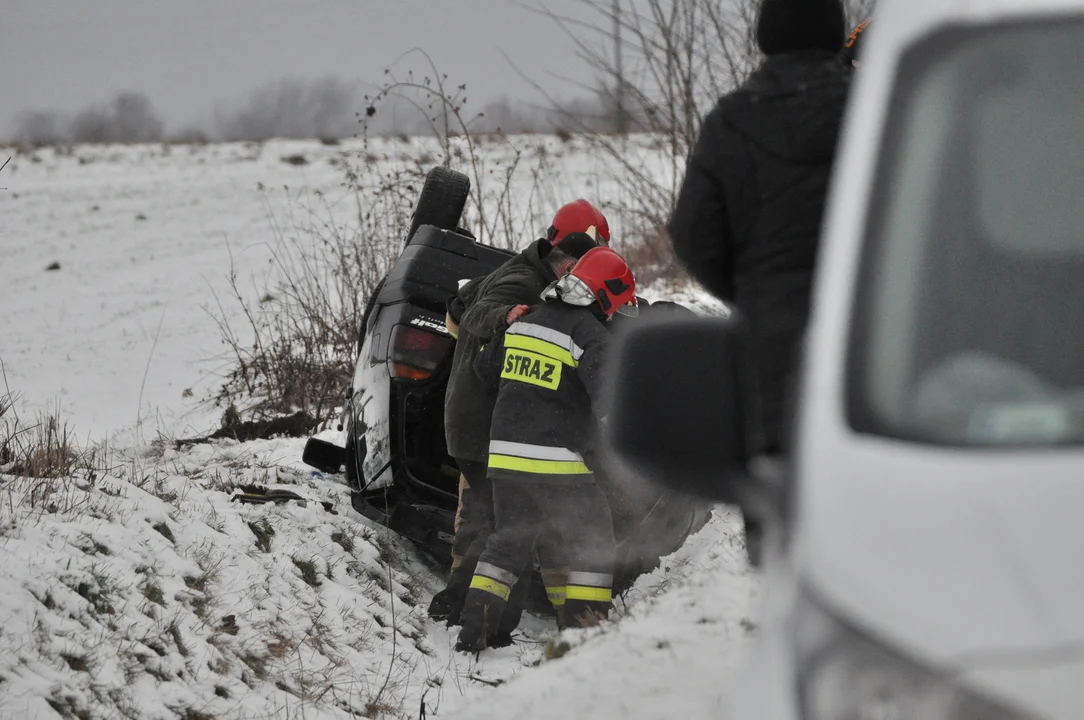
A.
pixel 129 118
pixel 660 66
pixel 135 120
pixel 39 127
pixel 92 125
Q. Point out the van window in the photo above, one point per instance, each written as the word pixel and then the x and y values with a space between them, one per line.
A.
pixel 970 316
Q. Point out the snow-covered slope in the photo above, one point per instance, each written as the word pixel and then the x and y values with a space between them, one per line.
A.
pixel 149 591
pixel 142 590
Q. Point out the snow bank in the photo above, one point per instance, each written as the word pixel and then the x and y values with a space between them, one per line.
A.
pixel 149 593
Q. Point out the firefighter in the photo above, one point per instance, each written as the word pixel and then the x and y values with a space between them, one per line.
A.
pixel 549 369
pixel 481 309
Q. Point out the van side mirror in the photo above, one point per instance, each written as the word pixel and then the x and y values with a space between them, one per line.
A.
pixel 682 410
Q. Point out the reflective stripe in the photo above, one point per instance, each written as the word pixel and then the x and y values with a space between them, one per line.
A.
pixel 535 452
pixel 480 582
pixel 590 578
pixel 589 594
pixel 550 335
pixel 538 467
pixel 495 573
pixel 541 347
pixel 556 595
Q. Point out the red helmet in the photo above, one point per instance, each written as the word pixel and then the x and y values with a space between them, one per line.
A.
pixel 577 218
pixel 600 276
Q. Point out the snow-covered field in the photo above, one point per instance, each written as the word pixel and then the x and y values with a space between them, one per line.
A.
pixel 145 237
pixel 142 590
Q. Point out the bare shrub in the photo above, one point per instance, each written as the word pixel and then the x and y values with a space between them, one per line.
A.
pixel 296 348
pixel 510 194
pixel 292 107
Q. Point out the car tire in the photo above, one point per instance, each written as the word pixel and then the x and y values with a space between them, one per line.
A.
pixel 441 201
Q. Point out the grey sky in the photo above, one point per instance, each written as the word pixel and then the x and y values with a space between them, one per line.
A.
pixel 188 54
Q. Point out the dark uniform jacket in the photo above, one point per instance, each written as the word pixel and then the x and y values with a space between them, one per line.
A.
pixel 480 309
pixel 548 367
pixel 748 217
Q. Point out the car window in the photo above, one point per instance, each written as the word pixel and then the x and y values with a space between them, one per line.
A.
pixel 970 325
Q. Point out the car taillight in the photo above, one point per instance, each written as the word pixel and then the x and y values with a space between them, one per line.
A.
pixel 416 354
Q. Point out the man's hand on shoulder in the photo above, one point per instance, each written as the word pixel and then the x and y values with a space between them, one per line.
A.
pixel 516 313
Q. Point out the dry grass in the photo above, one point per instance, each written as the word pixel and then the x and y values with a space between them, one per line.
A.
pixel 264 534
pixel 308 571
pixel 45 458
pixel 294 351
pixel 46 449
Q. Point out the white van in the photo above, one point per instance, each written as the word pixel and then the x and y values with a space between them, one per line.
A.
pixel 926 558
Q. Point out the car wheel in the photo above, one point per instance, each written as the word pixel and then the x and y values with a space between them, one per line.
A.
pixel 441 201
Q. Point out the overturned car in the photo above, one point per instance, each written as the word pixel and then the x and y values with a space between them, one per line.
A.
pixel 395 458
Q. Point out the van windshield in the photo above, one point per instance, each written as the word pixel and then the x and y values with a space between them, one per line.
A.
pixel 970 326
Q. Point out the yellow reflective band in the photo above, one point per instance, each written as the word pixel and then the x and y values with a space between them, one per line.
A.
pixel 589 594
pixel 538 467
pixel 532 368
pixel 489 585
pixel 542 347
pixel 556 595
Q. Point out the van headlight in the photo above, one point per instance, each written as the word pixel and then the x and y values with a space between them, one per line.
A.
pixel 844 675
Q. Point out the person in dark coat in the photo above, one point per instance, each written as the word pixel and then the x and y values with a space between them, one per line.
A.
pixel 747 221
pixel 481 309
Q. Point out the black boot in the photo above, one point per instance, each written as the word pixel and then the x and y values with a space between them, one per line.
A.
pixel 511 614
pixel 481 622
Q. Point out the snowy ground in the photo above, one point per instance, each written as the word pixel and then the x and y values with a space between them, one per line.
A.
pixel 148 592
pixel 142 590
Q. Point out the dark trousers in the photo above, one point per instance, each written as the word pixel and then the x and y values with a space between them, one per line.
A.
pixel 526 510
